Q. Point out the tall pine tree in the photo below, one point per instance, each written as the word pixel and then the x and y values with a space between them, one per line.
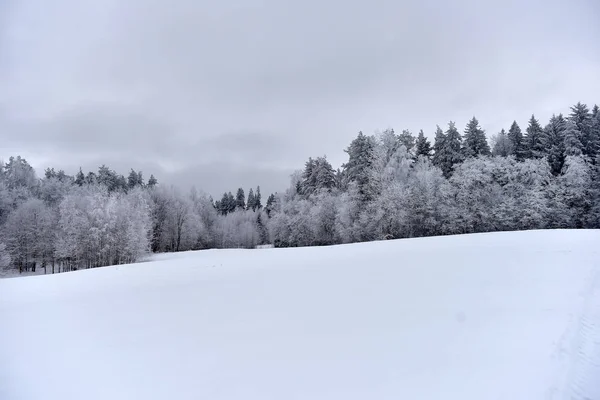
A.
pixel 515 136
pixel 534 145
pixel 475 143
pixel 553 139
pixel 582 118
pixel 240 199
pixel 423 146
pixel 438 145
pixel 450 152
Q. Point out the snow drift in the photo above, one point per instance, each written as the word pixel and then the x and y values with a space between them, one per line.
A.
pixel 489 316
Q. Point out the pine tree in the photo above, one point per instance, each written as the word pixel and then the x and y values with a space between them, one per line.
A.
pixel 80 178
pixel 554 144
pixel 502 145
pixel 534 146
pixel 407 140
pixel 515 136
pixel 450 153
pixel 240 199
pixel 231 203
pixel 270 204
pixel 152 181
pixel 583 120
pixel 475 143
pixel 572 135
pixel 438 145
pixel 257 200
pixel 359 168
pixel 423 146
pixel 133 179
pixel 595 136
pixel 250 201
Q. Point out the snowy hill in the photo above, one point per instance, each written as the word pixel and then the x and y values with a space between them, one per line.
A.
pixel 489 316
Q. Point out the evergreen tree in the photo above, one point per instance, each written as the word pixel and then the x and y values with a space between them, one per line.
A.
pixel 80 178
pixel 359 168
pixel 231 203
pixel 423 146
pixel 475 143
pixel 270 204
pixel 572 135
pixel 438 145
pixel 534 146
pixel 450 154
pixel 554 143
pixel 250 202
pixel 133 179
pixel 257 200
pixel 583 121
pixel 407 140
pixel 502 145
pixel 152 181
pixel 263 234
pixel 595 136
pixel 240 199
pixel 515 136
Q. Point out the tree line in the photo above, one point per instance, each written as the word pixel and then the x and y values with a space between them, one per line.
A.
pixel 393 185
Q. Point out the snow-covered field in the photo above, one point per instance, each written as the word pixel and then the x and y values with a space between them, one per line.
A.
pixel 489 316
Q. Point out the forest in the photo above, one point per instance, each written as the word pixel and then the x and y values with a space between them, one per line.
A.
pixel 393 185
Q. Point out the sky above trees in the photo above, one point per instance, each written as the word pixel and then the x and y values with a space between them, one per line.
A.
pixel 232 94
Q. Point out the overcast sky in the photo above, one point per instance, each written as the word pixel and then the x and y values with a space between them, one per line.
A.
pixel 241 92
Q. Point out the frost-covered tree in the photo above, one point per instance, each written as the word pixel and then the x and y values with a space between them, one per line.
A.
pixel 5 260
pixel 502 145
pixel 572 140
pixel 474 142
pixel 407 140
pixel 152 181
pixel 80 178
pixel 359 168
pixel 29 233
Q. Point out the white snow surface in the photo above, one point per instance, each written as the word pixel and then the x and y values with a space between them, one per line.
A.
pixel 511 316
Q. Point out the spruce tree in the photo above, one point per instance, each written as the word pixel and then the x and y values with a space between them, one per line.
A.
pixel 553 140
pixel 152 181
pixel 572 135
pixel 250 201
pixel 133 179
pixel 452 151
pixel 80 178
pixel 438 145
pixel 475 143
pixel 270 204
pixel 240 199
pixel 515 136
pixel 257 200
pixel 359 168
pixel 231 204
pixel 582 118
pixel 534 146
pixel 407 140
pixel 423 146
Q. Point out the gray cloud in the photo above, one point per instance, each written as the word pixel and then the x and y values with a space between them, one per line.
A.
pixel 239 93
